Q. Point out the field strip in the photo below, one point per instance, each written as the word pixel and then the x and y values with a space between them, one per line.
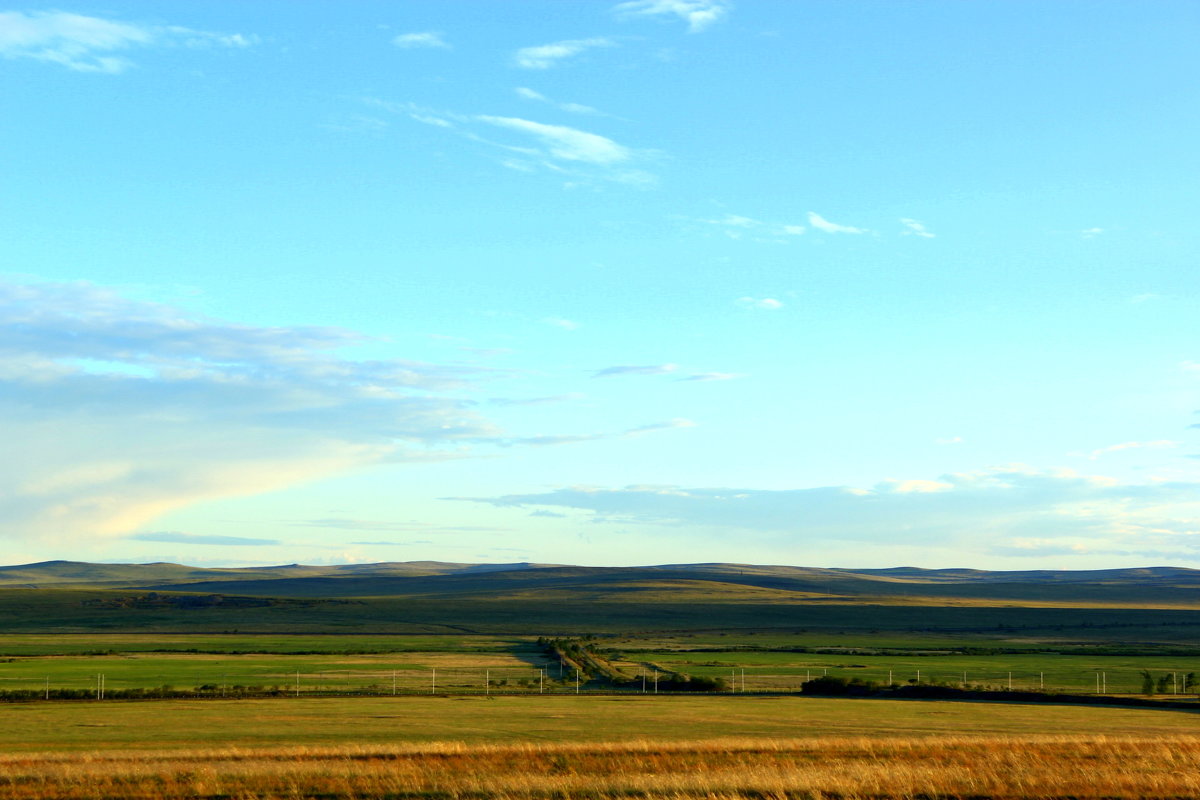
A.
pixel 1028 766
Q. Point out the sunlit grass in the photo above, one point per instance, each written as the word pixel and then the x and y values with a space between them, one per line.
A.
pixel 845 768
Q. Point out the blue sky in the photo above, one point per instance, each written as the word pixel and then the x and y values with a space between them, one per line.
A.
pixel 853 284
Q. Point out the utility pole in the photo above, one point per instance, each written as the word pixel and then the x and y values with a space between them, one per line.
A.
pixel 487 681
pixel 656 680
pixel 297 683
pixel 433 686
pixel 47 687
pixel 576 681
pixel 393 683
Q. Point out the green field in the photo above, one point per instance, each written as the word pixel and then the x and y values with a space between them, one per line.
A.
pixel 466 664
pixel 191 724
pixel 766 671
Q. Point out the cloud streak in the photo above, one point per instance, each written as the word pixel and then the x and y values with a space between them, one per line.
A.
pixel 93 44
pixel 534 146
pixel 564 143
pixel 546 56
pixel 1001 507
pixel 825 226
pixel 698 14
pixel 623 370
pixel 125 410
pixel 424 40
pixel 173 537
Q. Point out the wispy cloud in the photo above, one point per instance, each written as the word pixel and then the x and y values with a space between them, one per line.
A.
pixel 914 228
pixel 350 524
pixel 737 226
pixel 385 543
pixel 567 144
pixel 126 409
pixel 1116 448
pixel 174 537
pixel 560 322
pixel 698 14
pixel 93 44
pixel 1091 233
pixel 546 56
pixel 712 376
pixel 570 108
pixel 561 150
pixel 824 225
pixel 976 511
pixel 649 369
pixel 425 39
pixel 765 303
pixel 543 440
pixel 536 401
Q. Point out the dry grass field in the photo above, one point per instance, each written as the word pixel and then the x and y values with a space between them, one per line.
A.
pixel 527 748
pixel 846 768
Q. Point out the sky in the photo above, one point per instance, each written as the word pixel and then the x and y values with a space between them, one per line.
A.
pixel 834 284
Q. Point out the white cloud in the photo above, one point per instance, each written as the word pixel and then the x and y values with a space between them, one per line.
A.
pixel 915 229
pixel 978 511
pixel 559 322
pixel 549 55
pixel 917 485
pixel 698 14
pixel 766 303
pixel 1091 233
pixel 570 108
pixel 174 537
pixel 125 410
pixel 712 376
pixel 737 226
pixel 543 440
pixel 1116 448
pixel 574 155
pixel 93 44
pixel 649 369
pixel 950 440
pixel 568 144
pixel 822 224
pixel 425 39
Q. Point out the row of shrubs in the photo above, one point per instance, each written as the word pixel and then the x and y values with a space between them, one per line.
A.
pixel 829 686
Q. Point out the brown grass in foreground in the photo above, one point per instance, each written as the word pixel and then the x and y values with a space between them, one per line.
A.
pixel 845 768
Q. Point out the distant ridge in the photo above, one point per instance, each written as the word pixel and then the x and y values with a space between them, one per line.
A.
pixel 1148 586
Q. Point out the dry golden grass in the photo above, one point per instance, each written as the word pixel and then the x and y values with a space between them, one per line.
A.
pixel 765 769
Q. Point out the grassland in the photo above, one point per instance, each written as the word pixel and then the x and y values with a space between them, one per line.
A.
pixel 182 725
pixel 591 747
pixel 437 632
pixel 465 664
pixel 847 769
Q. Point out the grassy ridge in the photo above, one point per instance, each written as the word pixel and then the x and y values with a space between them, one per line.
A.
pixel 531 612
pixel 1155 605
